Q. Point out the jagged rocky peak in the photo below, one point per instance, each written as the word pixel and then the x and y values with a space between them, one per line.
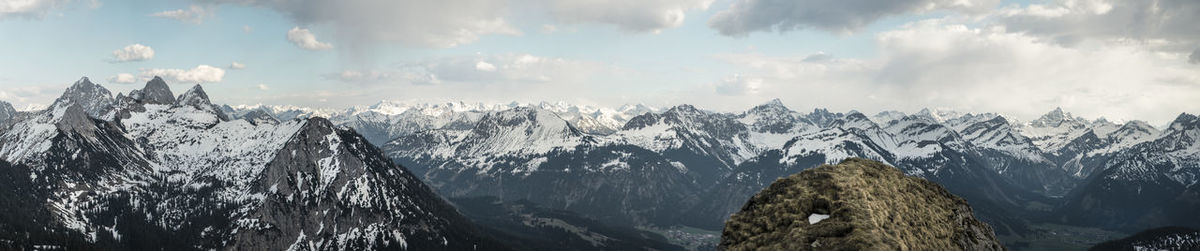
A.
pixel 775 105
pixel 156 92
pixel 194 97
pixel 675 114
pixel 1056 118
pixel 6 111
pixel 683 110
pixel 822 117
pixel 771 117
pixel 1184 122
pixel 94 99
pixel 858 204
pixel 938 114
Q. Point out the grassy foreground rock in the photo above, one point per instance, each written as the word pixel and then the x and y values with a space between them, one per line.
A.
pixel 870 206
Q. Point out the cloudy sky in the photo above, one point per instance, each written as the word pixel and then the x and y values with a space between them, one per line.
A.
pixel 1135 59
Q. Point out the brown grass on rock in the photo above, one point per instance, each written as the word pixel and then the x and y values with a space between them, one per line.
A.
pixel 872 206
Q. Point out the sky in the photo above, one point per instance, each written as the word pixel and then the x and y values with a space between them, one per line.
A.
pixel 1122 60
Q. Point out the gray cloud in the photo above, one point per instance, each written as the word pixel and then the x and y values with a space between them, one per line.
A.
pixel 629 15
pixel 449 23
pixel 1163 24
pixel 443 23
pixel 1195 57
pixel 746 16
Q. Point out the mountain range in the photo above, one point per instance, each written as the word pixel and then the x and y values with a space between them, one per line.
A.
pixel 685 166
pixel 150 170
pixel 137 169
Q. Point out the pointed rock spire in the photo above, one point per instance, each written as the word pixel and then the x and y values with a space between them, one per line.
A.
pixel 1053 118
pixel 194 97
pixel 155 92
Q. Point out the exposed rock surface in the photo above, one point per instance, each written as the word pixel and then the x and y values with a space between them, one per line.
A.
pixel 857 204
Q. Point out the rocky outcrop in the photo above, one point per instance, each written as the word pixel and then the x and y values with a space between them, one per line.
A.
pixel 857 204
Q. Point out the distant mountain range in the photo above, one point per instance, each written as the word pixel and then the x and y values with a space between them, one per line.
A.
pixel 136 169
pixel 687 166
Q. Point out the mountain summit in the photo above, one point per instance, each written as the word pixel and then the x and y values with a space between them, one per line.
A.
pixel 857 204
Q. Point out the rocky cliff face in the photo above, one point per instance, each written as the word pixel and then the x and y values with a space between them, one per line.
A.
pixel 857 204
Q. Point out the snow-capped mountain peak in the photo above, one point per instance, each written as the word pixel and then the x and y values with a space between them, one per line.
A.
pixel 773 117
pixel 937 114
pixel 1056 129
pixel 855 120
pixel 1057 118
pixel 194 97
pixel 94 99
pixel 884 117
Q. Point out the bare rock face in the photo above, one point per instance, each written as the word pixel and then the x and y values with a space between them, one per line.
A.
pixel 858 204
pixel 155 92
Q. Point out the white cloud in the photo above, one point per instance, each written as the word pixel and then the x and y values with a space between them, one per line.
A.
pixel 200 74
pixel 247 29
pixel 1195 57
pixel 306 40
pixel 29 8
pixel 133 52
pixel 737 85
pixel 236 66
pixel 933 63
pixel 629 15
pixel 194 14
pixel 485 66
pixel 123 78
pixel 840 16
pixel 263 87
